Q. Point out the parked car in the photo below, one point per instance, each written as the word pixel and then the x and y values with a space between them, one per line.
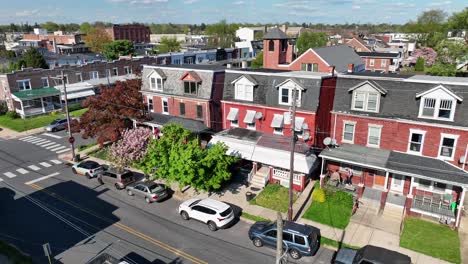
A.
pixel 56 125
pixel 370 254
pixel 214 213
pixel 150 191
pixel 88 168
pixel 120 179
pixel 301 240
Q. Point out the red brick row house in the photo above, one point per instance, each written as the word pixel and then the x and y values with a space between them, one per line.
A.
pixel 260 101
pixel 405 140
pixel 381 61
pixel 187 94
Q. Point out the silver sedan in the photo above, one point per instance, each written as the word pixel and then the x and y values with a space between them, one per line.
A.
pixel 150 191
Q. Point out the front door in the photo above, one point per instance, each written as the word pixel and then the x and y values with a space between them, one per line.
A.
pixel 398 183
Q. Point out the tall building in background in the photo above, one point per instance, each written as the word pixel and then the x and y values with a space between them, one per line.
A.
pixel 134 33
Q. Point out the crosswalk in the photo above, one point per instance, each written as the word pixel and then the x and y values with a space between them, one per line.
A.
pixel 34 167
pixel 46 143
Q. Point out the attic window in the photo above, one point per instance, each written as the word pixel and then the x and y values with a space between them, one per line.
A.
pixel 437 108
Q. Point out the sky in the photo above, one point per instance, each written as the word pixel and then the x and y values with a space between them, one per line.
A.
pixel 211 11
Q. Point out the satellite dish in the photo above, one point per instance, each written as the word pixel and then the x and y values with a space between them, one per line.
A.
pixel 306 136
pixel 327 141
pixel 258 115
pixel 333 142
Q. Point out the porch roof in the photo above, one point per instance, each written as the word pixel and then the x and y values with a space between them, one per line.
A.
pixel 190 124
pixel 35 93
pixel 397 162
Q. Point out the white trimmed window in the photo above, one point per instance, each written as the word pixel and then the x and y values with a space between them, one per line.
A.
pixel 156 84
pixel 45 82
pixel 115 71
pixel 244 92
pixel 24 84
pixel 447 146
pixel 286 94
pixel 94 75
pixel 79 77
pixel 150 104
pixel 278 130
pixel 348 131
pixel 128 70
pixel 438 103
pixel 165 106
pixel 383 63
pixel 373 135
pixel 416 141
pixel 371 62
pixel 366 101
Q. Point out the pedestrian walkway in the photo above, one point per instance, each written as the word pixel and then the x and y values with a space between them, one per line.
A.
pixel 45 143
pixel 19 171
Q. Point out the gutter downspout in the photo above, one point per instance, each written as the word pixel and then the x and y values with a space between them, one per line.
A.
pixel 334 126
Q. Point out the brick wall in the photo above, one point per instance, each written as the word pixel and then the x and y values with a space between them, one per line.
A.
pixel 377 64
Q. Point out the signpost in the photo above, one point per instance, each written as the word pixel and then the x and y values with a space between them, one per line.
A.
pixel 71 140
pixel 47 251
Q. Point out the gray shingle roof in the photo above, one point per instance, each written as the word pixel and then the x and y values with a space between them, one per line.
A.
pixel 400 101
pixel 275 33
pixel 190 124
pixel 339 56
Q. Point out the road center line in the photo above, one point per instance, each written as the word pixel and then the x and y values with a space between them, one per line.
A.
pixel 42 178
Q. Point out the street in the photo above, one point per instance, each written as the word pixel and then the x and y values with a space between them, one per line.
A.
pixel 42 201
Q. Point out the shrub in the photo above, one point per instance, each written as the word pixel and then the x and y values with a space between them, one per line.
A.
pixel 3 107
pixel 53 113
pixel 74 107
pixel 318 195
pixel 419 64
pixel 12 114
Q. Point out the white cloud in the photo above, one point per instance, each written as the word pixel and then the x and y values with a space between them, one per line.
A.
pixel 443 3
pixel 402 5
pixel 136 2
pixel 297 5
pixel 239 3
pixel 355 7
pixel 189 2
pixel 27 13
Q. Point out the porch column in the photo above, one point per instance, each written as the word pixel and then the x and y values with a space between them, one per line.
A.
pixel 460 207
pixel 42 104
pixel 322 180
pixel 408 203
pixel 254 167
pixel 22 108
pixel 386 181
pixel 411 186
pixel 323 164
pixel 360 190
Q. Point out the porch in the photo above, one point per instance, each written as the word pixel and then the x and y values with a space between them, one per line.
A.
pixel 36 101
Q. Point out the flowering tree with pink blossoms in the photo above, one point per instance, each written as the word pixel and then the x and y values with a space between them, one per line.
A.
pixel 428 54
pixel 131 148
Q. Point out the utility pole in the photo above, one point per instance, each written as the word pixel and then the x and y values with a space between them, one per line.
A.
pixel 279 237
pixel 291 157
pixel 71 139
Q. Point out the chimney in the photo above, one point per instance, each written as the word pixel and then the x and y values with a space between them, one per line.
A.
pixel 228 65
pixel 284 28
pixel 244 64
pixel 350 68
pixel 331 70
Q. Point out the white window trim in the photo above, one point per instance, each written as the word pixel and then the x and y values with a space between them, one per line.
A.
pixel 383 63
pixel 243 97
pixel 152 104
pixel 47 79
pixel 234 124
pixel 162 105
pixel 416 131
pixel 108 73
pixel 25 80
pixel 289 103
pixel 129 71
pixel 354 131
pixel 371 62
pixel 366 102
pixel 252 126
pixel 436 109
pixel 368 135
pixel 442 136
pixel 81 76
pixel 91 74
pixel 116 69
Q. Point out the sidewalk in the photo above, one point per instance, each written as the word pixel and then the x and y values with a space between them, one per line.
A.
pixel 7 133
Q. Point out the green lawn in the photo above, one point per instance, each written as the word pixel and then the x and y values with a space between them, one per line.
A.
pixel 100 153
pixel 254 217
pixel 432 239
pixel 21 125
pixel 83 147
pixel 13 254
pixel 335 211
pixel 275 197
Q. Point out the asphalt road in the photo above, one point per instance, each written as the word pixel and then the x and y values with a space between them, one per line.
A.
pixel 42 201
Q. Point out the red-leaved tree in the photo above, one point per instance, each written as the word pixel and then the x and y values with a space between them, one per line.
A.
pixel 112 111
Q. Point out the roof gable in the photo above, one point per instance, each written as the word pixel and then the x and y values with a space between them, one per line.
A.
pixel 245 79
pixel 275 33
pixel 158 73
pixel 339 56
pixel 372 85
pixel 436 90
pixel 290 83
pixel 191 76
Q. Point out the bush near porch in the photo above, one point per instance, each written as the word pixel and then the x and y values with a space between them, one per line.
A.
pixel 275 197
pixel 20 125
pixel 432 239
pixel 335 211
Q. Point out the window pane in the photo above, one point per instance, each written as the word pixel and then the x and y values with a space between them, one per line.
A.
pixel 315 67
pixel 447 147
pixel 285 96
pixel 429 106
pixel 271 233
pixel 240 91
pixel 287 237
pixel 186 87
pixel 348 133
pixel 182 109
pixel 299 240
pixel 248 90
pixel 359 100
pixel 199 111
pixel 445 108
pixel 374 135
pixel 416 142
pixel 372 102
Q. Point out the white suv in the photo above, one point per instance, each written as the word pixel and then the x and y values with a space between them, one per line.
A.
pixel 214 213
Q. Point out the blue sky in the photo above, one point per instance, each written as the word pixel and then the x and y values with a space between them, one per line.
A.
pixel 210 11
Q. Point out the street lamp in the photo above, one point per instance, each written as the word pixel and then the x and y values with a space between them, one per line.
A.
pixel 71 139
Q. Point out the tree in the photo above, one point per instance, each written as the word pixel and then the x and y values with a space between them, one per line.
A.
pixel 177 157
pixel 50 26
pixel 442 69
pixel 111 112
pixel 309 40
pixel 450 52
pixel 131 148
pixel 32 58
pixel 85 27
pixel 419 64
pixel 96 39
pixel 458 21
pixel 432 20
pixel 117 48
pixel 258 61
pixel 429 55
pixel 168 45
pixel 222 34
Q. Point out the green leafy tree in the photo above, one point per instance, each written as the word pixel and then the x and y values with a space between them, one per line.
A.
pixel 50 26
pixel 451 51
pixel 258 61
pixel 117 48
pixel 32 58
pixel 419 66
pixel 309 40
pixel 168 45
pixel 85 27
pixel 442 69
pixel 432 20
pixel 96 39
pixel 459 20
pixel 222 34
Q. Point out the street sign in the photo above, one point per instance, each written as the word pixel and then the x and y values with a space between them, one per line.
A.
pixel 47 250
pixel 71 140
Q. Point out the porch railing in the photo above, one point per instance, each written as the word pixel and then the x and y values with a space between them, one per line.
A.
pixel 279 174
pixel 250 175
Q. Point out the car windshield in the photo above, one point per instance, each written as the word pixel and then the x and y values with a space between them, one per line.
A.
pixel 226 212
pixel 156 188
pixel 126 175
pixel 55 122
pixel 195 202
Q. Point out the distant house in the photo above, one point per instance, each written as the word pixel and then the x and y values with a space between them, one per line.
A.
pixel 381 61
pixel 358 44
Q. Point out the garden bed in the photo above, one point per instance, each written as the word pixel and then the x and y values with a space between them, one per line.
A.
pixel 432 239
pixel 275 197
pixel 335 211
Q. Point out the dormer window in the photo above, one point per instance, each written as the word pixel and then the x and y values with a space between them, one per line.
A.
pixel 438 103
pixel 191 88
pixel 156 80
pixel 286 91
pixel 244 87
pixel 366 97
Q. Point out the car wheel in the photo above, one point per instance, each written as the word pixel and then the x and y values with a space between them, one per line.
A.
pixel 212 226
pixel 184 215
pixel 88 175
pixel 257 242
pixel 54 129
pixel 74 171
pixel 294 254
pixel 147 200
pixel 129 193
pixel 117 187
